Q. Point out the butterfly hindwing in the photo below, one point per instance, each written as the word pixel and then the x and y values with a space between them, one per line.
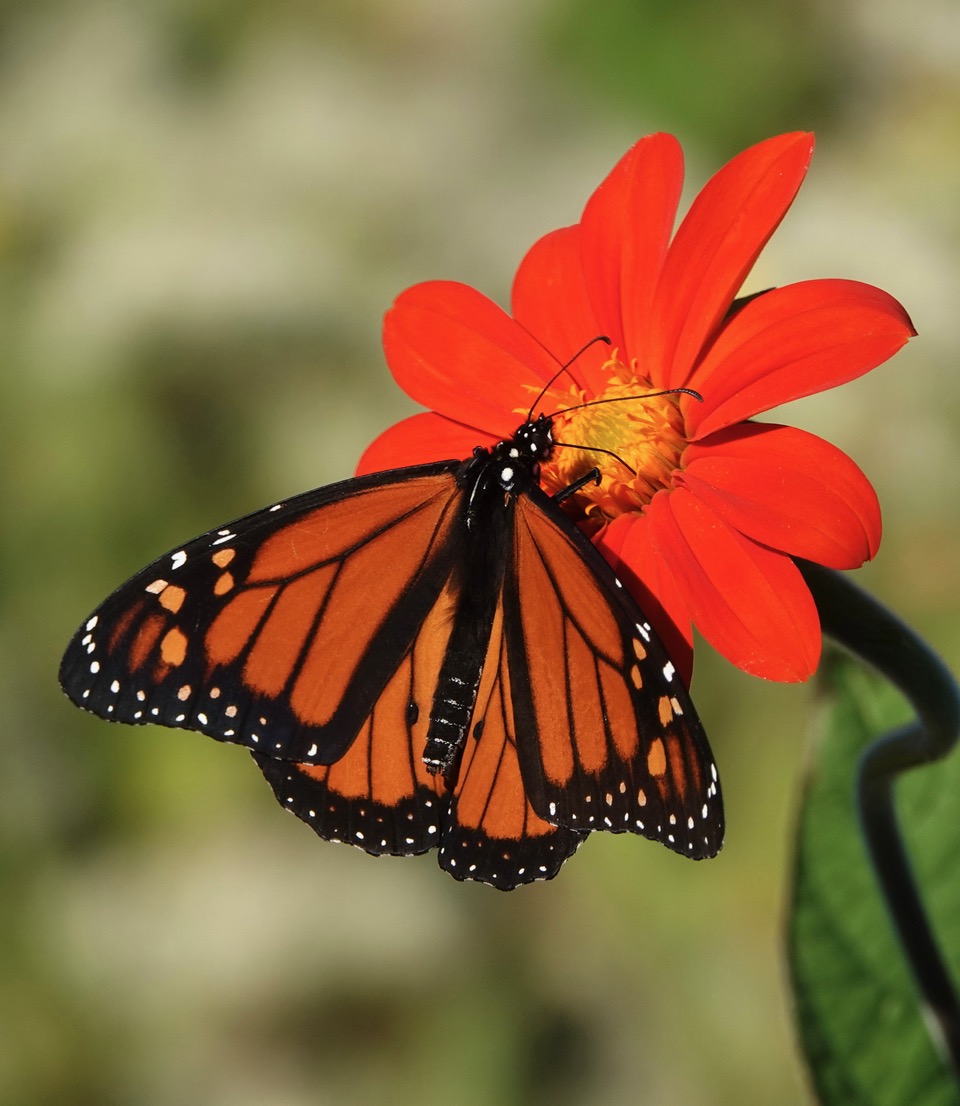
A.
pixel 611 740
pixel 380 797
pixel 492 833
pixel 278 631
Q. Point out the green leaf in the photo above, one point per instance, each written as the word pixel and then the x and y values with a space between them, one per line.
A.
pixel 857 1008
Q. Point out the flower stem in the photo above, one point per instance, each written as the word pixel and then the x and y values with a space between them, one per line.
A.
pixel 861 624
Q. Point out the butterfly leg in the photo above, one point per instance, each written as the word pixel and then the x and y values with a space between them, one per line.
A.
pixel 592 477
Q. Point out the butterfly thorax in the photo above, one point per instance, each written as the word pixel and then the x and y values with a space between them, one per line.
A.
pixel 510 466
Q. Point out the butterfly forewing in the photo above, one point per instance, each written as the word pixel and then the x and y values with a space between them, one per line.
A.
pixel 611 740
pixel 280 630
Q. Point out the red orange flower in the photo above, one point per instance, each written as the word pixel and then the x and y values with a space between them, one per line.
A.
pixel 705 526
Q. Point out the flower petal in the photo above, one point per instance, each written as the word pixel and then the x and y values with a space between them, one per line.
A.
pixel 626 227
pixel 455 351
pixel 626 546
pixel 791 342
pixel 788 490
pixel 749 602
pixel 550 301
pixel 715 247
pixel 420 439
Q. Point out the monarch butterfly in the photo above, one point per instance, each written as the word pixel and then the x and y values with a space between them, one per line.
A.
pixel 429 657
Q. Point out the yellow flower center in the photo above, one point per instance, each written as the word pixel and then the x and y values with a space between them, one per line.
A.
pixel 622 429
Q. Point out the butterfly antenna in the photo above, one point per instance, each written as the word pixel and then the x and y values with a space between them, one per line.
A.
pixel 596 449
pixel 619 399
pixel 623 399
pixel 564 368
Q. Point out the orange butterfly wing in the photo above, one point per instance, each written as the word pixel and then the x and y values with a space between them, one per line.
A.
pixel 609 739
pixel 380 797
pixel 278 631
pixel 494 834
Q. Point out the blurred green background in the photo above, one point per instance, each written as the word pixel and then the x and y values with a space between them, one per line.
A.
pixel 205 208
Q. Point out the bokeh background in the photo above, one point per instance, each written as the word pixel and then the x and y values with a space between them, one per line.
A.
pixel 205 208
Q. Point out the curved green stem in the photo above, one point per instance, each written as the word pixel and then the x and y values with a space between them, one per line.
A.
pixel 861 624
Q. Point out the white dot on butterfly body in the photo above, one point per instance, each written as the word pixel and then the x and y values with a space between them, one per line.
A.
pixel 506 475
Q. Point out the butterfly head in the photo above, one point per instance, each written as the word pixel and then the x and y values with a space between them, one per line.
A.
pixel 519 457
